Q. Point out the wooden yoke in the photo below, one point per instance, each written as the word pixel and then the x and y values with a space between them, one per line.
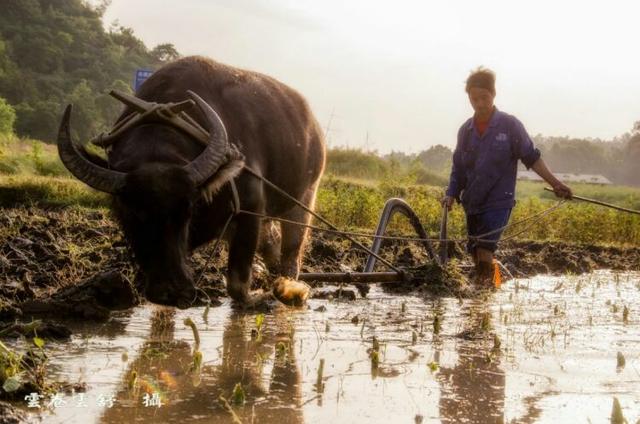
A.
pixel 171 113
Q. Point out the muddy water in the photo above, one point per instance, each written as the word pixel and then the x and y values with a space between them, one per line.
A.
pixel 540 350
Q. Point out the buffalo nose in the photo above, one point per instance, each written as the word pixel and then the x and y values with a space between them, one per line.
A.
pixel 160 297
pixel 181 294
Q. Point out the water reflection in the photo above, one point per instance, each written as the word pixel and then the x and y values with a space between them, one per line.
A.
pixel 473 390
pixel 264 365
pixel 559 337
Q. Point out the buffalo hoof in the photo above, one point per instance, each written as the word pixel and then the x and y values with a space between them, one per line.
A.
pixel 291 292
pixel 253 300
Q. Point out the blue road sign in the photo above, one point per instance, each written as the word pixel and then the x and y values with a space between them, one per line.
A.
pixel 141 76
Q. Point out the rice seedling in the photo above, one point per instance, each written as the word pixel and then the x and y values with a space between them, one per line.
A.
pixel 620 361
pixel 196 335
pixel 617 417
pixel 496 343
pixel 485 322
pixel 227 407
pixel 238 396
pixel 132 380
pixel 196 364
pixel 437 324
pixel 319 378
pixel 205 314
pixel 375 359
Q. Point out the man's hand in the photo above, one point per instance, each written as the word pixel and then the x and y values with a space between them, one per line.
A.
pixel 562 191
pixel 559 188
pixel 448 202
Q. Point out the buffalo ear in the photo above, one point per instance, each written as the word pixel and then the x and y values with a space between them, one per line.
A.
pixel 225 174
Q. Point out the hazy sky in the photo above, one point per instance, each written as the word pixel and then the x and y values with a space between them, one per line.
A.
pixel 389 75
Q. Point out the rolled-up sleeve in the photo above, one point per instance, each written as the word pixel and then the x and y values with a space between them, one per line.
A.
pixel 457 178
pixel 525 150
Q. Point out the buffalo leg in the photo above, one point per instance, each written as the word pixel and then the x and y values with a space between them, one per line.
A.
pixel 241 250
pixel 293 236
pixel 269 245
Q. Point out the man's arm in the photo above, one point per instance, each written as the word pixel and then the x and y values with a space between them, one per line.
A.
pixel 530 156
pixel 457 178
pixel 559 188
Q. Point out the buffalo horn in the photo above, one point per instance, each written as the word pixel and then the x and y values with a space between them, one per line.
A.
pixel 95 176
pixel 217 151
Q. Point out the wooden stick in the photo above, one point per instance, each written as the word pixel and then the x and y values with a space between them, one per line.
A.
pixel 598 202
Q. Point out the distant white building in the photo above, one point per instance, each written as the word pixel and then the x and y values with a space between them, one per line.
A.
pixel 567 178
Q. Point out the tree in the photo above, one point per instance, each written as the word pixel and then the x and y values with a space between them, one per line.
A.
pixel 164 53
pixel 53 52
pixel 7 117
pixel 631 157
pixel 436 158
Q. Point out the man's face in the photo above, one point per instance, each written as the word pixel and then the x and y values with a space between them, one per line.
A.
pixel 481 100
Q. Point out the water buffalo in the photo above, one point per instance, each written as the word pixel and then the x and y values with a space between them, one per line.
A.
pixel 171 194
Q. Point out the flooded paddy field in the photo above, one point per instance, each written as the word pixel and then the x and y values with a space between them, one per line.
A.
pixel 558 344
pixel 543 349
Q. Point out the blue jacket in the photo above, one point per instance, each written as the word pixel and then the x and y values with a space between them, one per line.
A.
pixel 483 174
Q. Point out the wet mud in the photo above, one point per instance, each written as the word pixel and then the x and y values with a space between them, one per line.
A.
pixel 541 349
pixel 9 414
pixel 544 349
pixel 75 263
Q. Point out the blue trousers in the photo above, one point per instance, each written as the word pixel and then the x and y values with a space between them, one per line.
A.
pixel 484 222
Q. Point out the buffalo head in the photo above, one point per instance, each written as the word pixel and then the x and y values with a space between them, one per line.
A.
pixel 154 203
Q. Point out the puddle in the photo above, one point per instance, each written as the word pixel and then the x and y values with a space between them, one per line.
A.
pixel 558 341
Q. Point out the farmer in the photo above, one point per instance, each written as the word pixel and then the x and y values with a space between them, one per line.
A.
pixel 483 174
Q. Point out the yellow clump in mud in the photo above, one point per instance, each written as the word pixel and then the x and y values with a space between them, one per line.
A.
pixel 291 292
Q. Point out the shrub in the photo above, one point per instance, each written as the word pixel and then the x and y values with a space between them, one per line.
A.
pixel 7 117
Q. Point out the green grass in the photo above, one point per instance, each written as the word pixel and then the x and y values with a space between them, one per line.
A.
pixel 18 190
pixel 628 197
pixel 31 173
pixel 349 204
pixel 19 156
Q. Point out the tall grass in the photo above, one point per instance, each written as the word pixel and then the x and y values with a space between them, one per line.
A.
pixel 351 205
pixel 17 190
pixel 21 156
pixel 31 173
pixel 364 165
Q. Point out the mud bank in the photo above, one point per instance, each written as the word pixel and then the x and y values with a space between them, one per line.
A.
pixel 45 255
